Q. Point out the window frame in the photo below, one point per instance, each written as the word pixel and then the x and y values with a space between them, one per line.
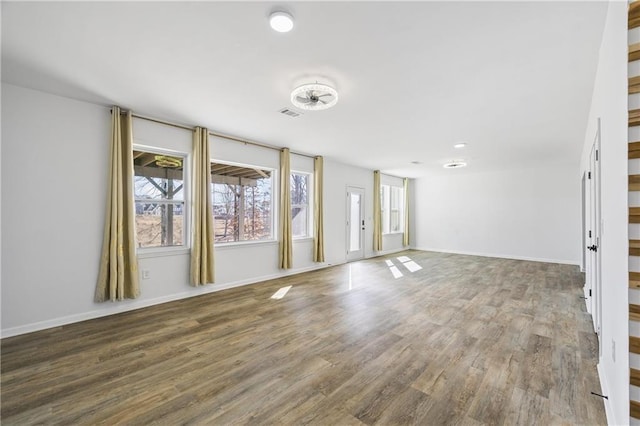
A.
pixel 385 206
pixel 309 215
pixel 185 247
pixel 274 205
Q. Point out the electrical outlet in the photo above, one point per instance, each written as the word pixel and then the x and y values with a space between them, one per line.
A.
pixel 145 274
pixel 613 350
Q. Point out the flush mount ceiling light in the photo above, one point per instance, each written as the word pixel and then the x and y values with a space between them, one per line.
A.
pixel 455 164
pixel 460 145
pixel 314 96
pixel 281 22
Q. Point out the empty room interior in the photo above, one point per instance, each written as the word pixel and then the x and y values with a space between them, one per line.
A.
pixel 333 213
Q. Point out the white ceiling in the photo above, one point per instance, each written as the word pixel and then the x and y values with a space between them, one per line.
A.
pixel 513 79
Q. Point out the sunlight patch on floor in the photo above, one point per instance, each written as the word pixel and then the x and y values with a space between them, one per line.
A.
pixel 412 266
pixel 281 292
pixel 396 272
pixel 406 262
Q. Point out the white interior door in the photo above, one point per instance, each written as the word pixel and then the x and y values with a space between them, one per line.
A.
pixel 593 237
pixel 355 223
pixel 586 238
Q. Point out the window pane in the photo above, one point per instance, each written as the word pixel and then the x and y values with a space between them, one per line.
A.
pixel 226 205
pixel 158 176
pixel 384 204
pixel 397 209
pixel 159 194
pixel 257 210
pixel 354 220
pixel 299 205
pixel 299 216
pixel 159 224
pixel 299 189
pixel 241 202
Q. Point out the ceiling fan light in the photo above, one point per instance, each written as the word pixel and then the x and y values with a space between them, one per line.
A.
pixel 313 94
pixel 281 22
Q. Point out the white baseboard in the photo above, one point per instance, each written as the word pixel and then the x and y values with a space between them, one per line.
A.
pixel 132 305
pixel 611 420
pixel 501 256
pixel 387 252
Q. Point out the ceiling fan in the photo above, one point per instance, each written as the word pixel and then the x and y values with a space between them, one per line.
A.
pixel 314 96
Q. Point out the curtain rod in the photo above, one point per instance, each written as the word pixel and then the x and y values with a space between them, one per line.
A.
pixel 219 135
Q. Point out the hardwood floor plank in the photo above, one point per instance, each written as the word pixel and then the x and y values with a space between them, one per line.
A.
pixel 527 408
pixel 465 340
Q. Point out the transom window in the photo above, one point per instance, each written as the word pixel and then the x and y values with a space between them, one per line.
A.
pixel 159 199
pixel 392 206
pixel 242 202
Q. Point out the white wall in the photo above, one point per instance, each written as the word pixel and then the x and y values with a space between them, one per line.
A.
pixel 609 103
pixel 520 214
pixel 54 171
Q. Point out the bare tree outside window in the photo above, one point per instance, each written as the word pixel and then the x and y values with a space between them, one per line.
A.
pixel 241 203
pixel 159 199
pixel 299 205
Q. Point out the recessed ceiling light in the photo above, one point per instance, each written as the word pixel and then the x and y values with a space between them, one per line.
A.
pixel 281 22
pixel 460 145
pixel 455 164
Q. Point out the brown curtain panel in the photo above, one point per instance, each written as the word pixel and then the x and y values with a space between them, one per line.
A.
pixel 286 238
pixel 118 276
pixel 377 213
pixel 202 263
pixel 318 224
pixel 405 237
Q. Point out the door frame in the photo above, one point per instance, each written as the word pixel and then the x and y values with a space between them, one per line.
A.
pixel 353 255
pixel 592 235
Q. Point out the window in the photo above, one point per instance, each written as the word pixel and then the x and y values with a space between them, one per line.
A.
pixel 392 206
pixel 159 199
pixel 384 206
pixel 300 205
pixel 242 202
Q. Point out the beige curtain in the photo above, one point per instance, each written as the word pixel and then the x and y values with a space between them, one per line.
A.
pixel 118 276
pixel 202 265
pixel 377 219
pixel 405 238
pixel 318 226
pixel 286 238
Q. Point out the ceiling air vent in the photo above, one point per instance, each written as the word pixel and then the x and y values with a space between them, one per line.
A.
pixel 455 164
pixel 289 112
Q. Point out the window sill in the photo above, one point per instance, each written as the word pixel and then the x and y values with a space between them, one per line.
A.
pixel 162 252
pixel 180 251
pixel 240 244
pixel 394 233
pixel 302 239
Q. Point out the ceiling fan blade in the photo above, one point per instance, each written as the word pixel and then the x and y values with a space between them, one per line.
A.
pixel 303 100
pixel 326 94
pixel 320 100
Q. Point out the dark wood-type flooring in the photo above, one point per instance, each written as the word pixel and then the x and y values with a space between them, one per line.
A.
pixel 464 341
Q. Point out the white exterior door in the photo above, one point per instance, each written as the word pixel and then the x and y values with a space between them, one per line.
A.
pixel 355 223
